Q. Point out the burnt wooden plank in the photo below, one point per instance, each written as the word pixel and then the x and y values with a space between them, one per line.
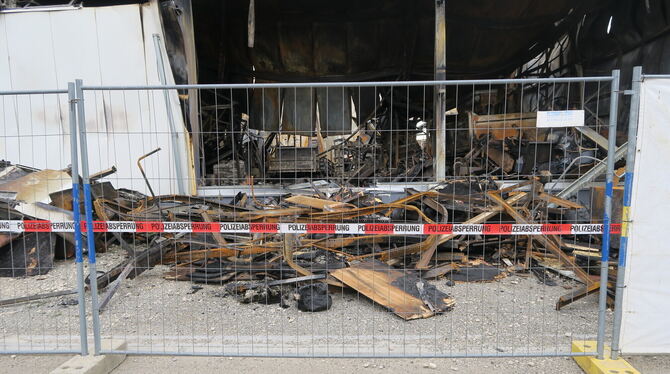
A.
pixel 402 292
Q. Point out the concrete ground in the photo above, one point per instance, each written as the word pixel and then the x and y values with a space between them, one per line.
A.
pixel 203 365
pixel 512 315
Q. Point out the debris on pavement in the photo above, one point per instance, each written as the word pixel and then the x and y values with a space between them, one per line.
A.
pixel 394 269
pixel 404 293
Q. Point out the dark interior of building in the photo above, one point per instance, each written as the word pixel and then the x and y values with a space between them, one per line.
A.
pixel 341 132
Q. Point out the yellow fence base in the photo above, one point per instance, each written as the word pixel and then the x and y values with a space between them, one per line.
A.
pixel 591 365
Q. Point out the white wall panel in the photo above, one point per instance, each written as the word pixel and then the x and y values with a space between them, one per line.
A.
pixel 645 323
pixel 103 46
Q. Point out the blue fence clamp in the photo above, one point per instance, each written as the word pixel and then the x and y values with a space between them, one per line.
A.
pixel 78 250
pixel 88 207
pixel 606 238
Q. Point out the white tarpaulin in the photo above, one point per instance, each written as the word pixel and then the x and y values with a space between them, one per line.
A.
pixel 646 300
pixel 111 46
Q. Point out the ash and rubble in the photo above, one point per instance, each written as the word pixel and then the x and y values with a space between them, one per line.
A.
pixel 266 267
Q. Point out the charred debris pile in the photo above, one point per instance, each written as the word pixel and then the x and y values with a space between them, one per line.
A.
pixel 360 136
pixel 398 272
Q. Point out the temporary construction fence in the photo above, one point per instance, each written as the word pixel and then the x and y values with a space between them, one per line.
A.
pixel 347 219
pixel 641 298
pixel 39 137
pixel 340 190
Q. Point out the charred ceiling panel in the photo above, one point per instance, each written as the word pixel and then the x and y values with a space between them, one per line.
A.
pixel 295 49
pixel 266 56
pixel 639 34
pixel 330 48
pixel 497 37
pixel 332 41
pixel 302 40
pixel 620 35
pixel 208 28
pixel 361 54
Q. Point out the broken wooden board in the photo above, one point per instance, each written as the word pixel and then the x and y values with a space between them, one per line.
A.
pixel 549 241
pixel 501 158
pixel 558 201
pixel 577 294
pixel 482 217
pixel 450 256
pixel 25 299
pixel 404 293
pixel 507 125
pixel 439 271
pixel 313 202
pixel 584 247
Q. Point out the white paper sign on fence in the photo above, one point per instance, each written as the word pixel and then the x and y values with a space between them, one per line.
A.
pixel 560 118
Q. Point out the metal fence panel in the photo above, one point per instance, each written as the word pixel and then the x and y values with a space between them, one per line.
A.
pixel 42 307
pixel 291 215
pixel 633 120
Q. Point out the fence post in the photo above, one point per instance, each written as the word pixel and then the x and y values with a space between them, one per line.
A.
pixel 605 253
pixel 88 206
pixel 73 102
pixel 625 218
pixel 439 101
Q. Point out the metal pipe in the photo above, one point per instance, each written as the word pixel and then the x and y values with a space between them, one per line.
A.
pixel 34 92
pixel 351 84
pixel 592 174
pixel 655 76
pixel 625 217
pixel 144 175
pixel 605 253
pixel 385 356
pixel 40 352
pixel 78 249
pixel 88 206
pixel 41 8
